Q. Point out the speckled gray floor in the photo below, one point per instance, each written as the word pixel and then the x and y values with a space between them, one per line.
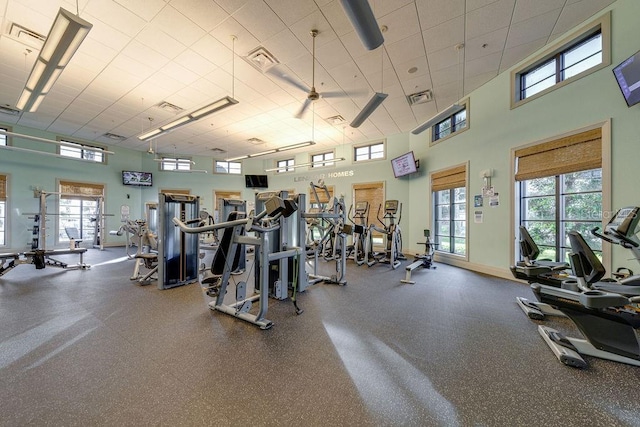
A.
pixel 92 348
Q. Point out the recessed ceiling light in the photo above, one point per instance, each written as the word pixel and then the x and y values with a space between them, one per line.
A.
pixel 412 70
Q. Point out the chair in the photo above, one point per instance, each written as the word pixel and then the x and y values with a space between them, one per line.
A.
pixel 73 234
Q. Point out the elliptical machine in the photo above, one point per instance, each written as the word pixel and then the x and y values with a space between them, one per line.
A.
pixel 362 241
pixel 393 236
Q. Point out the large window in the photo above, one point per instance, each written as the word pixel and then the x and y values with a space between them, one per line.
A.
pixel 79 206
pixel 322 159
pixel 560 190
pixel 451 220
pixel 552 206
pixel 450 209
pixel 3 210
pixel 369 152
pixel 222 166
pixel 579 54
pixel 285 165
pixel 175 164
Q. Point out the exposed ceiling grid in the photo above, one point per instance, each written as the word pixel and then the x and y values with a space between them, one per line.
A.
pixel 139 54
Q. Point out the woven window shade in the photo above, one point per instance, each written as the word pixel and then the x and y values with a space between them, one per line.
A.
pixel 322 195
pixel 582 151
pixel 174 191
pixel 372 193
pixel 78 190
pixel 454 177
pixel 3 188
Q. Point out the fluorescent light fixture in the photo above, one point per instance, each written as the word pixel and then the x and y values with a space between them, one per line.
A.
pixel 274 150
pixel 368 109
pixel 455 108
pixel 364 22
pixel 65 36
pixel 215 106
pixel 319 162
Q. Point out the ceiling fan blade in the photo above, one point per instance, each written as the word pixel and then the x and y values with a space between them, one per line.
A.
pixel 340 94
pixel 287 78
pixel 304 107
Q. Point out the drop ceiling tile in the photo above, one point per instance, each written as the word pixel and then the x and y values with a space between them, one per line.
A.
pixel 156 39
pixel 576 13
pixel 532 29
pixel 334 13
pixel 486 44
pixel 178 26
pixel 485 64
pixel 527 9
pixel 206 14
pixel 489 18
pixel 515 54
pixel 401 23
pixel 259 19
pixel 113 15
pixel 443 58
pixel 244 42
pixel 292 11
pixel 145 10
pixel 447 34
pixel 432 13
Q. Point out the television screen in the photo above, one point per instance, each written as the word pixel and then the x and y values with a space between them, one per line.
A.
pixel 137 178
pixel 256 181
pixel 404 165
pixel 628 77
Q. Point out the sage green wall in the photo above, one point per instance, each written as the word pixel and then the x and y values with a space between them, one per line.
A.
pixel 28 171
pixel 495 129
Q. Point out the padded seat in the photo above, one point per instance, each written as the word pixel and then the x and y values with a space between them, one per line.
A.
pixel 73 233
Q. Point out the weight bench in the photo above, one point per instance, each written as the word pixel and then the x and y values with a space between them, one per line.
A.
pixel 41 259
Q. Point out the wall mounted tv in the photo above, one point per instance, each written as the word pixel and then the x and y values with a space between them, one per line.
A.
pixel 404 165
pixel 256 181
pixel 628 77
pixel 142 179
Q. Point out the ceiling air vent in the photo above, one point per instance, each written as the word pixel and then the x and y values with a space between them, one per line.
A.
pixel 25 36
pixel 9 111
pixel 255 141
pixel 261 59
pixel 218 150
pixel 169 107
pixel 336 120
pixel 114 136
pixel 420 97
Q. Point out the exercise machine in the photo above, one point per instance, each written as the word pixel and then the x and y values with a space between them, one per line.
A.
pixel 178 251
pixel 361 249
pixel 605 312
pixel 336 232
pixel 393 236
pixel 424 260
pixel 622 230
pixel 542 271
pixel 233 238
pixel 287 273
pixel 41 258
pixel 225 207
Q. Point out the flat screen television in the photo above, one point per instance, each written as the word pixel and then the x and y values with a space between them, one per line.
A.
pixel 628 77
pixel 256 181
pixel 404 165
pixel 142 179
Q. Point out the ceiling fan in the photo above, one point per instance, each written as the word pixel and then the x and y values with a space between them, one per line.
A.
pixel 312 94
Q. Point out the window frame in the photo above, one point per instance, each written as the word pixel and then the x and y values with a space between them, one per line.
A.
pixel 6 138
pixel 559 196
pixel 81 147
pixel 369 146
pixel 287 168
pixel 176 161
pixel 452 237
pixel 432 131
pixel 565 44
pixel 332 161
pixel 4 242
pixel 228 168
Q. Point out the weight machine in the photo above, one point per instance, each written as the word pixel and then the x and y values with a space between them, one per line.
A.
pixel 178 251
pixel 393 236
pixel 264 225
